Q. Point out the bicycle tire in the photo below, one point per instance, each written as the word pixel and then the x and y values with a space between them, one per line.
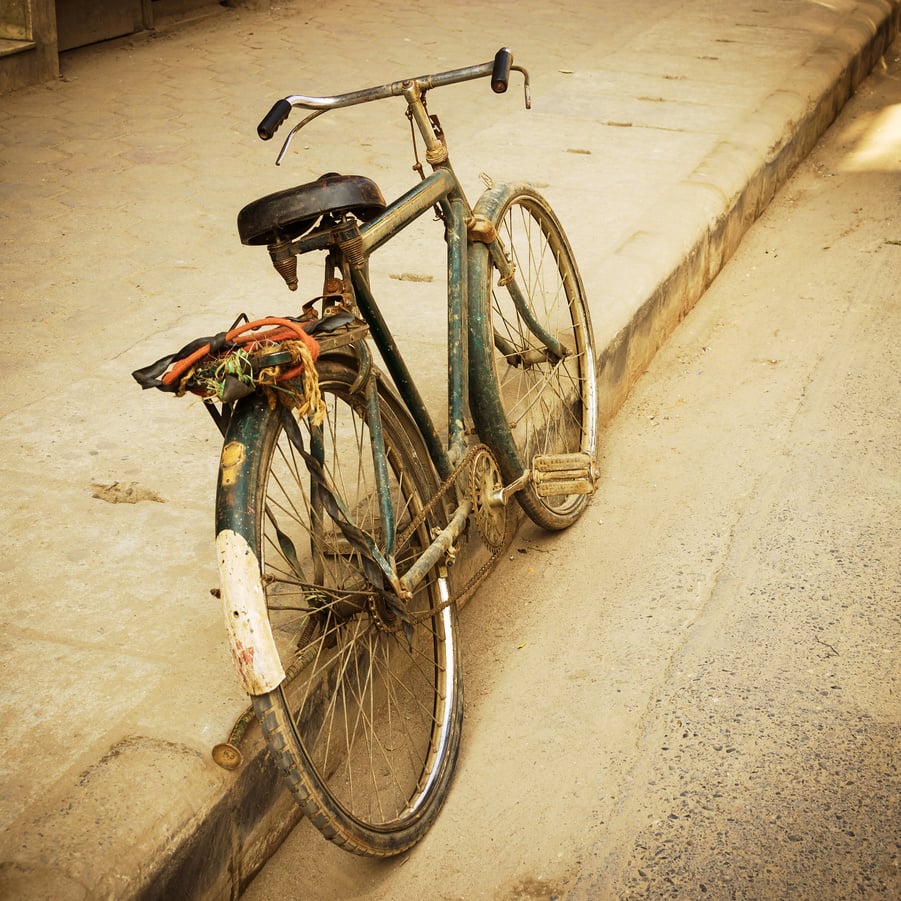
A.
pixel 538 405
pixel 367 729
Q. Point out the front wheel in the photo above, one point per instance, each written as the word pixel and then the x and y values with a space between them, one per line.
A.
pixel 537 342
pixel 366 724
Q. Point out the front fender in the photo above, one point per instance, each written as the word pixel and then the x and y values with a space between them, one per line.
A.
pixel 484 400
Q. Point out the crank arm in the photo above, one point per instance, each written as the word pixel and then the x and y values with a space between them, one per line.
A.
pixel 501 497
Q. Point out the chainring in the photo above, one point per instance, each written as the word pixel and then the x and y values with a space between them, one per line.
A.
pixel 490 513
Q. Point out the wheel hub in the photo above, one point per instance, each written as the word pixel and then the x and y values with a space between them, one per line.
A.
pixel 385 619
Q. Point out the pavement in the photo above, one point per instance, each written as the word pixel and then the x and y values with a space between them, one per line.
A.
pixel 660 131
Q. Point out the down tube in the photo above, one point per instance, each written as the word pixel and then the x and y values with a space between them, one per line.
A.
pixel 390 352
pixel 374 234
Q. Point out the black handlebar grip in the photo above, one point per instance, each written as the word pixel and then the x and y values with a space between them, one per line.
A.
pixel 500 76
pixel 273 119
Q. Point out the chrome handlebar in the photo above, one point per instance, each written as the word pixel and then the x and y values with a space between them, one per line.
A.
pixel 413 89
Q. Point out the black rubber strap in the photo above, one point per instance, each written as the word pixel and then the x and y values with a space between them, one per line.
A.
pixel 149 376
pixel 328 323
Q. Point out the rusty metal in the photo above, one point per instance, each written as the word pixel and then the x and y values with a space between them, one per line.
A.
pixel 228 753
pixel 287 269
pixel 481 229
pixel 488 503
pixel 348 238
pixel 559 474
pixel 233 455
pixel 479 576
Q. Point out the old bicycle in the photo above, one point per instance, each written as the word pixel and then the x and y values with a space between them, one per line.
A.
pixel 340 506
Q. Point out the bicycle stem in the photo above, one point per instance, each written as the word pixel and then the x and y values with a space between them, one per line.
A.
pixel 435 148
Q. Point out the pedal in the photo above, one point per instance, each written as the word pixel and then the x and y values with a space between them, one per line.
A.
pixel 556 474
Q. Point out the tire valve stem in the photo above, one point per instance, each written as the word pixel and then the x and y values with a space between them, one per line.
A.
pixel 228 753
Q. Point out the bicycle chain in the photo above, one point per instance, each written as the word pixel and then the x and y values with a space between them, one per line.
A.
pixel 418 520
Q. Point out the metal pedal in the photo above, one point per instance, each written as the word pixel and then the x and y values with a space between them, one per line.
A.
pixel 556 474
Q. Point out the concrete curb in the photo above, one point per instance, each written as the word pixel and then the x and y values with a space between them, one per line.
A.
pixel 219 853
pixel 727 193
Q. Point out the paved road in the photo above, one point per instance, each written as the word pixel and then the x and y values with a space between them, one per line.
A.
pixel 696 692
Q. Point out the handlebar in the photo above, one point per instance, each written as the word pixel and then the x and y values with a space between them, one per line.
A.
pixel 497 69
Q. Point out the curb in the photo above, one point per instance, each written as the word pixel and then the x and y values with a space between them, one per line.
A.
pixel 720 215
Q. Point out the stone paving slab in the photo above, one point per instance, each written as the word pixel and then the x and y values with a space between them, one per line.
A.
pixel 659 131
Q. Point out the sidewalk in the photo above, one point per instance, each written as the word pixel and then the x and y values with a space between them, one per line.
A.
pixel 658 133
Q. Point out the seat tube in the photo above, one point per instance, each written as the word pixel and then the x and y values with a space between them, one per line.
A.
pixel 457 318
pixel 380 465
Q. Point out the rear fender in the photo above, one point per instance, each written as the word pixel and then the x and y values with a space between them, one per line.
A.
pixel 240 574
pixel 246 621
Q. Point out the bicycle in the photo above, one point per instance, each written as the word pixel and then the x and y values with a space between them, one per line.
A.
pixel 339 507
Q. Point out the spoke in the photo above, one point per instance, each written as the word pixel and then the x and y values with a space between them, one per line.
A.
pixel 367 703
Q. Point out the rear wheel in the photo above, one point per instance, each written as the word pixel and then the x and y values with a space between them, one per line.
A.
pixel 366 726
pixel 546 401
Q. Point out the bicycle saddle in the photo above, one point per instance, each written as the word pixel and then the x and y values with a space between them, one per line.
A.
pixel 287 214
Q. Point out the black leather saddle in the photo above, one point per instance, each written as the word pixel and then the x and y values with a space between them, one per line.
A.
pixel 288 214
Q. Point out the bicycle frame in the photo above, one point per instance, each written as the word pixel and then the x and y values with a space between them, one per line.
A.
pixel 473 246
pixel 466 277
pixel 442 188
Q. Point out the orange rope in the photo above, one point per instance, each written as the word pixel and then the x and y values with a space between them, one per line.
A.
pixel 279 330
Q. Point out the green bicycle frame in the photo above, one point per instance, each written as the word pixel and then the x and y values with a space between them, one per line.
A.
pixel 473 246
pixel 441 187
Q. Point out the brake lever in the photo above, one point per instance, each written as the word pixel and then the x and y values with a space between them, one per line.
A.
pixel 297 128
pixel 526 84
